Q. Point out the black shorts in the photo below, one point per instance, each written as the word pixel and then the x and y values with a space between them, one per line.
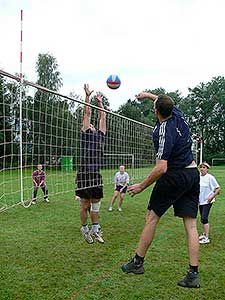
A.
pixel 89 186
pixel 179 188
pixel 119 187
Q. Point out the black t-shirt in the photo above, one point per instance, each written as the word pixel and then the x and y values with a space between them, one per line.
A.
pixel 92 143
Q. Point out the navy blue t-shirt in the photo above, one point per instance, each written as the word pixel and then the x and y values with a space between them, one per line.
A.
pixel 91 150
pixel 172 141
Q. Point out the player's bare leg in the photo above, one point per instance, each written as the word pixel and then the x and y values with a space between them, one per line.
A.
pixel 113 200
pixel 120 201
pixel 148 233
pixel 191 280
pixel 84 209
pixel 136 265
pixel 94 213
pixel 192 239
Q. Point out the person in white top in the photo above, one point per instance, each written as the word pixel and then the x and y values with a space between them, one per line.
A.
pixel 121 181
pixel 209 188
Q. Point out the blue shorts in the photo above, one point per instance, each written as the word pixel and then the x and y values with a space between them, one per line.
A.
pixel 119 187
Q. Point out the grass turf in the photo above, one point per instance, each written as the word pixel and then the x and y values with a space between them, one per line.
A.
pixel 43 255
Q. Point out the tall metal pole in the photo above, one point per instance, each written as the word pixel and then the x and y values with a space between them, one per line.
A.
pixel 21 111
pixel 201 150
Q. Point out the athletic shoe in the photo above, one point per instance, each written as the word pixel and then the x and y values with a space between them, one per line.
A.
pixel 87 236
pixel 132 267
pixel 46 199
pixel 34 202
pixel 110 208
pixel 119 209
pixel 191 280
pixel 202 236
pixel 205 240
pixel 98 236
pixel 100 231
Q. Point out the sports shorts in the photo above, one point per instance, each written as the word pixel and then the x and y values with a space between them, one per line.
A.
pixel 89 186
pixel 177 188
pixel 119 187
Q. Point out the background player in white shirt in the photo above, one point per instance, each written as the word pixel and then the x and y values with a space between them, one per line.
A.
pixel 209 188
pixel 121 181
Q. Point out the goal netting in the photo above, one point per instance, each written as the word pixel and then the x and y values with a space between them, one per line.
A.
pixel 218 161
pixel 44 128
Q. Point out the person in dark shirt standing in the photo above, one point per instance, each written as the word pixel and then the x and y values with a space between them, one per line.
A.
pixel 89 189
pixel 177 184
pixel 38 178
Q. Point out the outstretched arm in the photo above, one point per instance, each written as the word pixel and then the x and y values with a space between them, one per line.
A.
pixel 102 114
pixel 144 95
pixel 87 109
pixel 159 169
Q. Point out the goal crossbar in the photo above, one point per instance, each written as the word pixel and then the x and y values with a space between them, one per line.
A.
pixel 122 154
pixel 215 159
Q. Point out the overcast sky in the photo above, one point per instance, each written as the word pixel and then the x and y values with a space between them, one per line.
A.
pixel 173 44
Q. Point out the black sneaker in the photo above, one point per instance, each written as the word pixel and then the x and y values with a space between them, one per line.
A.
pixel 191 280
pixel 132 267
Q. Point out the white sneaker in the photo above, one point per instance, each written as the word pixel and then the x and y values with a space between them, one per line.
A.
pixel 87 236
pixel 98 237
pixel 119 209
pixel 202 236
pixel 33 202
pixel 110 208
pixel 205 240
pixel 46 199
pixel 100 231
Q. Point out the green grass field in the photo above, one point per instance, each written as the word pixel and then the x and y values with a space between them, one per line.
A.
pixel 58 182
pixel 44 257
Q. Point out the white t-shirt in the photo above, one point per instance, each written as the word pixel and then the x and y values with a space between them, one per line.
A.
pixel 208 184
pixel 121 179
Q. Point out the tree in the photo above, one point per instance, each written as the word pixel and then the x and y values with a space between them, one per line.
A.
pixel 47 70
pixel 142 110
pixel 205 110
pixel 5 123
pixel 131 109
pixel 10 121
pixel 48 111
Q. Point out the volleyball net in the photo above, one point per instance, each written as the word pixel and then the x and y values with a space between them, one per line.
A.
pixel 40 126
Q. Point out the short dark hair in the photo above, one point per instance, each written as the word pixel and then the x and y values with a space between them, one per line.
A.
pixel 164 104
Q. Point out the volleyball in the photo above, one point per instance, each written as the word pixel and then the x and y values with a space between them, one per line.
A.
pixel 113 82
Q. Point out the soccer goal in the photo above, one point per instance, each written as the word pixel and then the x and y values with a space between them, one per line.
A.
pixel 218 161
pixel 114 160
pixel 44 128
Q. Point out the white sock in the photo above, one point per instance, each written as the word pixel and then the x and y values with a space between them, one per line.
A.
pixel 95 227
pixel 85 228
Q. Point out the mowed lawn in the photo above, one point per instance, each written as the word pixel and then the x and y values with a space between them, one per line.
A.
pixel 44 257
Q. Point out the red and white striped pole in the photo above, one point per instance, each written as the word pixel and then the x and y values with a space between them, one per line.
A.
pixel 21 111
pixel 21 45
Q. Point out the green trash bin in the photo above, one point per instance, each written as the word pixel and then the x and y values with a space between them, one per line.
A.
pixel 67 163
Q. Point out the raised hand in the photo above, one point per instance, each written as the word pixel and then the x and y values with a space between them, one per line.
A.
pixel 145 95
pixel 99 98
pixel 142 95
pixel 88 92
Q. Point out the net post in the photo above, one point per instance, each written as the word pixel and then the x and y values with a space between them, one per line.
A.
pixel 20 105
